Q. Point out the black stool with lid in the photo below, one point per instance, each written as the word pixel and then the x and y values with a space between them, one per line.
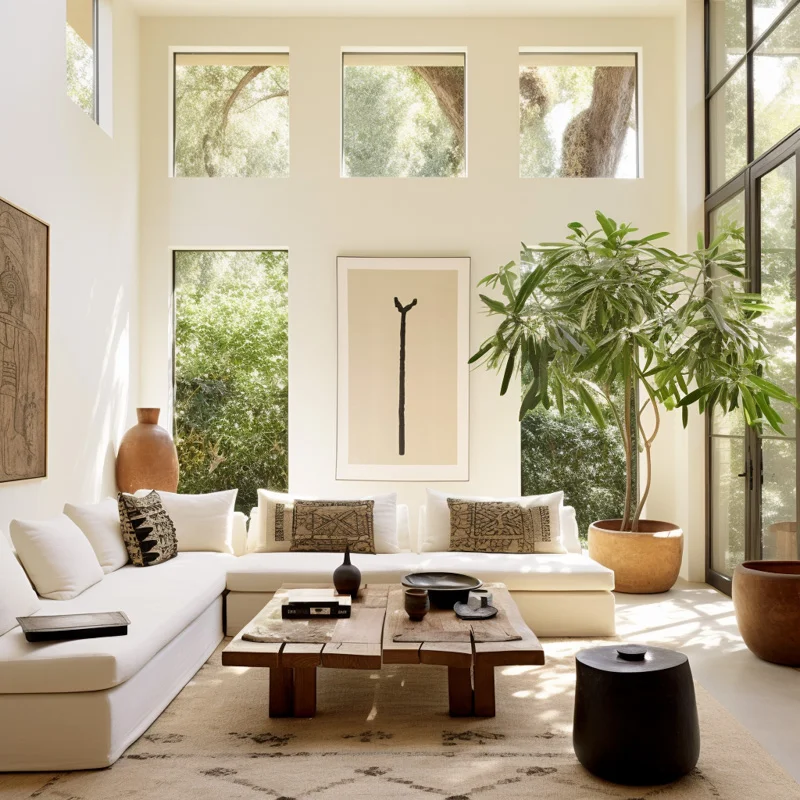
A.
pixel 635 714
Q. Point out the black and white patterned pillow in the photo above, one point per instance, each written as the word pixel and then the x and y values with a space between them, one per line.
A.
pixel 147 529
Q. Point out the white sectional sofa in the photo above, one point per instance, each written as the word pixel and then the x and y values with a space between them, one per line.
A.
pixel 558 595
pixel 80 704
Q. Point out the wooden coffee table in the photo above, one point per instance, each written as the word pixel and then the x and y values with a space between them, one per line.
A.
pixel 366 641
pixel 353 643
pixel 470 663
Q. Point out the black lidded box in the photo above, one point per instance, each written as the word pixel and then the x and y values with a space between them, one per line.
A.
pixel 74 626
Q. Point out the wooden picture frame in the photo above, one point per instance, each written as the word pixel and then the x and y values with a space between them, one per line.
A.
pixel 24 336
pixel 403 372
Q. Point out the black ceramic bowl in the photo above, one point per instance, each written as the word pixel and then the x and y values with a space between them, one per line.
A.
pixel 445 589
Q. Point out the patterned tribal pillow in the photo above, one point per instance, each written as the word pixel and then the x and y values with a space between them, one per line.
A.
pixel 501 527
pixel 147 529
pixel 327 526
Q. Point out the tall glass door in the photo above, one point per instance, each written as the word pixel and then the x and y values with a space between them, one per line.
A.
pixel 777 522
pixel 752 475
pixel 728 444
pixel 752 161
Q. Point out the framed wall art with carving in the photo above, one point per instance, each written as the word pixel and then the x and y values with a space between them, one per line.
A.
pixel 403 376
pixel 24 277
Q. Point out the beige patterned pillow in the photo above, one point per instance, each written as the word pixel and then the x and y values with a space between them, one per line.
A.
pixel 325 526
pixel 501 527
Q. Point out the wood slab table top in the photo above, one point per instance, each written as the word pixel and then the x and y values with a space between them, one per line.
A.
pixel 440 627
pixel 353 643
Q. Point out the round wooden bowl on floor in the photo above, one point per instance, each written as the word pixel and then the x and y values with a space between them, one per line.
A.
pixel 646 562
pixel 766 596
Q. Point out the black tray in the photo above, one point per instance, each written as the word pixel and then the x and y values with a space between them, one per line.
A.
pixel 445 589
pixel 74 626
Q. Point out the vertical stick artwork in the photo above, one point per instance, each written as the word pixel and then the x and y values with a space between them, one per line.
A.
pixel 402 393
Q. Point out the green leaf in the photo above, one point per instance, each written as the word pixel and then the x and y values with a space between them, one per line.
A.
pixel 484 349
pixel 771 389
pixel 591 406
pixel 605 224
pixel 494 305
pixel 770 414
pixel 509 373
pixel 694 396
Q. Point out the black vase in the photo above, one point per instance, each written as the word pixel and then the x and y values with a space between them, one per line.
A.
pixel 347 577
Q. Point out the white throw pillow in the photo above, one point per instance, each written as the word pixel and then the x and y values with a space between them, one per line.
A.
pixel 202 521
pixel 100 524
pixel 437 519
pixel 275 509
pixel 17 598
pixel 569 530
pixel 56 555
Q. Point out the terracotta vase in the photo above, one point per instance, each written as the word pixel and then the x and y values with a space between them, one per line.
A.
pixel 147 458
pixel 766 596
pixel 645 562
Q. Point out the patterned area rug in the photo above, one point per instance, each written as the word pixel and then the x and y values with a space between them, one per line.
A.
pixel 388 735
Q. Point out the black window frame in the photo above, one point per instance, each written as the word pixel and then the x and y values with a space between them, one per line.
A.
pixel 747 182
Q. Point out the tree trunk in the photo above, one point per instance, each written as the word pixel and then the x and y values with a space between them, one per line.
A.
pixel 627 443
pixel 212 141
pixel 593 140
pixel 447 85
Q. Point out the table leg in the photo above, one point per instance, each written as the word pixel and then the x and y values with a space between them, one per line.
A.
pixel 484 690
pixel 281 692
pixel 459 683
pixel 305 691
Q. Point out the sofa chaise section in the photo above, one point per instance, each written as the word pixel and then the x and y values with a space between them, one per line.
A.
pixel 79 704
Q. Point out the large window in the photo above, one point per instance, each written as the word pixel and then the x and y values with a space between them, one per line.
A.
pixel 753 151
pixel 403 115
pixel 231 115
pixel 82 54
pixel 232 371
pixel 578 115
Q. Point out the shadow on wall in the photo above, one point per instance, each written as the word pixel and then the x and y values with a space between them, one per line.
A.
pixel 111 413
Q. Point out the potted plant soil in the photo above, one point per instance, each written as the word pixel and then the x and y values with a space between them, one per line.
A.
pixel 611 318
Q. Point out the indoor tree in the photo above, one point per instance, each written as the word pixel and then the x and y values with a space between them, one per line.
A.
pixel 610 313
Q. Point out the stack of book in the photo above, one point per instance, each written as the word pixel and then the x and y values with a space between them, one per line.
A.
pixel 312 603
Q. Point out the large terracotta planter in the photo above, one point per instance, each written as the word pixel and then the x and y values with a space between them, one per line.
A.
pixel 645 562
pixel 766 596
pixel 147 458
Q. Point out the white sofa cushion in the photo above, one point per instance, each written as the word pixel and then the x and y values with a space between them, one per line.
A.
pixel 100 525
pixel 265 572
pixel 403 529
pixel 160 603
pixel 17 598
pixel 384 517
pixel 437 529
pixel 203 522
pixel 56 555
pixel 569 530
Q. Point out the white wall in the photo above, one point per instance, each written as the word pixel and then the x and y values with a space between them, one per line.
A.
pixel 61 167
pixel 317 215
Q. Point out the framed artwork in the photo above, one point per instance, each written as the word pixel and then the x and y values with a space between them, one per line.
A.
pixel 403 376
pixel 24 276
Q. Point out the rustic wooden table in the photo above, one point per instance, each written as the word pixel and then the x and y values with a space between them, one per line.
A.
pixel 469 649
pixel 353 643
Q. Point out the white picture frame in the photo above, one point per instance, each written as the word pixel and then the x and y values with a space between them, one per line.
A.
pixel 421 434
